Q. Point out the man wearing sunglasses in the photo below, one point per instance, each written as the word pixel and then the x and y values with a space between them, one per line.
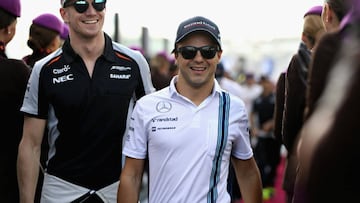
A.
pixel 84 93
pixel 190 131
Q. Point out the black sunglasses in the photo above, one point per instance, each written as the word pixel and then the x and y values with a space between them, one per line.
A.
pixel 189 52
pixel 81 5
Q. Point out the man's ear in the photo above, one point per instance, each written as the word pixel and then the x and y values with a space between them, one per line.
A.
pixel 219 54
pixel 327 13
pixel 64 15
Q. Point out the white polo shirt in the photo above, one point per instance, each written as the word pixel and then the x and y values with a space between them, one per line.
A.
pixel 181 140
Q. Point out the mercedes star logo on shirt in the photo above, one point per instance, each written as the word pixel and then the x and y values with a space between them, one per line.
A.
pixel 163 106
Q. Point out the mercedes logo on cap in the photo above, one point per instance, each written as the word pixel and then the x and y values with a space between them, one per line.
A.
pixel 163 106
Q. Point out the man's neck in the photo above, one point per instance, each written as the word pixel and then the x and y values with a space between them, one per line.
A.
pixel 88 47
pixel 196 95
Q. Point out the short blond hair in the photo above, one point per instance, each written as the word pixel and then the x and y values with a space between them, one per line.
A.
pixel 312 25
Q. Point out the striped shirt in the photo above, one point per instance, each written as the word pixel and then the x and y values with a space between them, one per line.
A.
pixel 188 153
pixel 87 116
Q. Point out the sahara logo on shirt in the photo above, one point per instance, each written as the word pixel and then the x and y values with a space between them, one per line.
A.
pixel 120 76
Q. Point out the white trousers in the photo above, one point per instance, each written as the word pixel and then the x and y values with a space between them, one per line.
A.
pixel 56 190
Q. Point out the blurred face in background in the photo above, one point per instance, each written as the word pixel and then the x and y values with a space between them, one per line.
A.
pixel 8 32
pixel 332 14
pixel 12 30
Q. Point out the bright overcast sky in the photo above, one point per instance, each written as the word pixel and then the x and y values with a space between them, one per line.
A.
pixel 238 20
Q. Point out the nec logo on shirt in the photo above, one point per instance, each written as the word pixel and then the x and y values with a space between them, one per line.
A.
pixel 63 78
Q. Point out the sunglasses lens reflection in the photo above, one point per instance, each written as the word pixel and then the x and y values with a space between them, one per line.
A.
pixel 81 6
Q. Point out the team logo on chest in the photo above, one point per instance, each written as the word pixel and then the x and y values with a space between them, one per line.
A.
pixel 120 76
pixel 63 78
pixel 163 106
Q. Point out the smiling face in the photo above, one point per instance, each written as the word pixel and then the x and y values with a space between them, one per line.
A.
pixel 85 25
pixel 197 72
